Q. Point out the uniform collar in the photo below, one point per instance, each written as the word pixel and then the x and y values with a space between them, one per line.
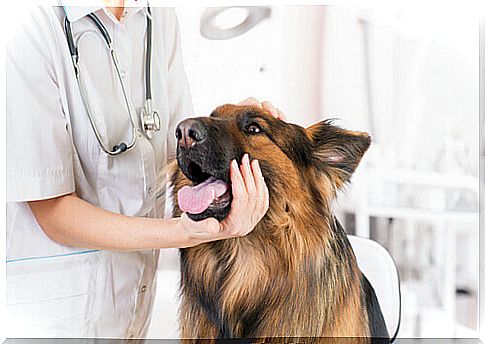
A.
pixel 75 12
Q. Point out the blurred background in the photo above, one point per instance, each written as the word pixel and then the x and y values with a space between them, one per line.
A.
pixel 408 75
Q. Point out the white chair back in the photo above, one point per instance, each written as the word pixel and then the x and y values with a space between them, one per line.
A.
pixel 378 266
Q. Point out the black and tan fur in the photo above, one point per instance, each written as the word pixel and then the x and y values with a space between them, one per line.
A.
pixel 295 274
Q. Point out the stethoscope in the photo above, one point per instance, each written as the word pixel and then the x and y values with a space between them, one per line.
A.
pixel 149 117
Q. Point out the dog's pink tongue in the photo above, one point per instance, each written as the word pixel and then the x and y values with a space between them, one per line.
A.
pixel 196 199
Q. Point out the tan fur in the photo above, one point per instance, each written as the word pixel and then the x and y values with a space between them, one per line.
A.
pixel 270 266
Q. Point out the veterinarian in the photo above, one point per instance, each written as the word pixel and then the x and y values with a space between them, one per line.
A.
pixel 85 158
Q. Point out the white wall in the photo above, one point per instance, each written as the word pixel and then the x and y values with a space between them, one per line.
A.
pixel 278 60
pixel 423 82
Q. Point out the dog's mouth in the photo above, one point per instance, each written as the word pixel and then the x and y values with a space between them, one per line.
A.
pixel 207 197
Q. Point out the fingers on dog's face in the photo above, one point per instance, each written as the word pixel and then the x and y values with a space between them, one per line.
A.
pixel 278 145
pixel 284 151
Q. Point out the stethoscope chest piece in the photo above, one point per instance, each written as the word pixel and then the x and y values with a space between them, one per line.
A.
pixel 150 119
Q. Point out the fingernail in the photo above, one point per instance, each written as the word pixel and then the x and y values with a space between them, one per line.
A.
pixel 246 158
pixel 258 166
pixel 234 163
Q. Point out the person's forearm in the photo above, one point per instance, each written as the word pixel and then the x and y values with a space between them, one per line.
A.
pixel 72 221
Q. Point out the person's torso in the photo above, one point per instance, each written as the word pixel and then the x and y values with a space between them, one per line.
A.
pixel 127 183
pixel 76 291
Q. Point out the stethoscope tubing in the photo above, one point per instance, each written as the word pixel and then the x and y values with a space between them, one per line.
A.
pixel 148 64
pixel 122 146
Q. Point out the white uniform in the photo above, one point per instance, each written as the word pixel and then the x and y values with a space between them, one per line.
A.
pixel 55 290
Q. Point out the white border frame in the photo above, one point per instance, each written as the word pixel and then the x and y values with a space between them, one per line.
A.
pixel 7 21
pixel 482 183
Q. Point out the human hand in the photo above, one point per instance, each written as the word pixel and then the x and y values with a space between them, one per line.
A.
pixel 277 113
pixel 250 202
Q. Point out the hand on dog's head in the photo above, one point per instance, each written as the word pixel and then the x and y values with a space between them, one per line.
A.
pixel 290 155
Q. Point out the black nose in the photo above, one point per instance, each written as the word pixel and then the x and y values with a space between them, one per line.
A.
pixel 190 132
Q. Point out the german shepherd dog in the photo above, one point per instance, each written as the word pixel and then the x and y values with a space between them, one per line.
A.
pixel 295 274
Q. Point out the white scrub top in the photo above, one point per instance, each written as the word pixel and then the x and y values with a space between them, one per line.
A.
pixel 54 290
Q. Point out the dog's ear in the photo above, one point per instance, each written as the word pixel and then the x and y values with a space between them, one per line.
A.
pixel 337 151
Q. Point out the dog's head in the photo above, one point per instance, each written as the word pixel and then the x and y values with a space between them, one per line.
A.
pixel 291 157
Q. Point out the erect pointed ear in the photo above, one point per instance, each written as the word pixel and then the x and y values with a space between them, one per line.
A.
pixel 337 151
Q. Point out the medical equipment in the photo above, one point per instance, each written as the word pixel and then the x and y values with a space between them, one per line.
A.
pixel 150 119
pixel 253 16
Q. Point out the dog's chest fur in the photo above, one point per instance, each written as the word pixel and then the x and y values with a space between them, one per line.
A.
pixel 277 281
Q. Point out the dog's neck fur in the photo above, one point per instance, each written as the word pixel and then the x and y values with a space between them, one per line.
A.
pixel 297 254
pixel 318 266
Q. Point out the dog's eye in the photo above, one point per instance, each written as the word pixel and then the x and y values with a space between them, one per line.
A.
pixel 254 128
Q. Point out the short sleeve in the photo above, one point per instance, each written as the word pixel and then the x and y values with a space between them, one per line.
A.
pixel 39 147
pixel 180 101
